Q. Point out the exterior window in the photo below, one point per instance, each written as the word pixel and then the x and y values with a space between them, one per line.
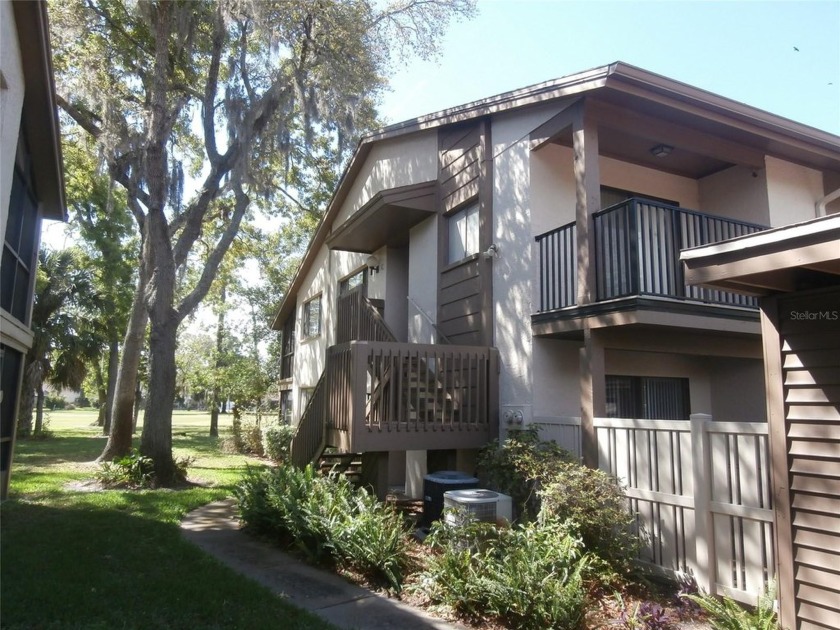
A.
pixel 286 406
pixel 646 397
pixel 312 318
pixel 287 355
pixel 463 233
pixel 351 282
pixel 11 362
pixel 19 243
pixel 305 397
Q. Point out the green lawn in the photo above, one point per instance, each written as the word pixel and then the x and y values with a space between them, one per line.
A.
pixel 72 558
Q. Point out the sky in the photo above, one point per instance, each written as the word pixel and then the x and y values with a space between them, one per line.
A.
pixel 743 50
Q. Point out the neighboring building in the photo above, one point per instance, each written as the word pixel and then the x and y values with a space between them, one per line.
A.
pixel 795 270
pixel 31 189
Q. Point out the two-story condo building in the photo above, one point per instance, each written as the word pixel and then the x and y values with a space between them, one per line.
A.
pixel 515 260
pixel 31 188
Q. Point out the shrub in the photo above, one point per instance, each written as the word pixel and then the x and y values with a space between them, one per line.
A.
pixel 54 402
pixel 327 519
pixel 132 471
pixel 527 576
pixel 727 614
pixel 547 484
pixel 519 466
pixel 277 441
pixel 595 503
pixel 136 471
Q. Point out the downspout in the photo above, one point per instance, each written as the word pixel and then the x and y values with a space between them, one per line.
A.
pixel 822 203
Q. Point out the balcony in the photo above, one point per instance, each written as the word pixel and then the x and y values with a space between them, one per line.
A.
pixel 637 255
pixel 384 396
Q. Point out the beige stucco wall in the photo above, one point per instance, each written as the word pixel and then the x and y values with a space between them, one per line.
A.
pixel 422 281
pixel 390 164
pixel 648 181
pixel 737 192
pixel 792 191
pixel 515 272
pixel 738 390
pixel 552 188
pixel 556 378
pixel 11 102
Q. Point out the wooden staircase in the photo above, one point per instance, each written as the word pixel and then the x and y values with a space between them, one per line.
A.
pixel 335 463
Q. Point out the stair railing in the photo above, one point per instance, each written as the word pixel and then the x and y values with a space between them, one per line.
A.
pixel 441 338
pixel 309 441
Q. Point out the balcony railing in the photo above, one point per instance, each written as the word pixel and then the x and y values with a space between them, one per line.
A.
pixel 393 396
pixel 637 252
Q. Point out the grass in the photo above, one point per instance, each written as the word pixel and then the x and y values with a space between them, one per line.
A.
pixel 116 559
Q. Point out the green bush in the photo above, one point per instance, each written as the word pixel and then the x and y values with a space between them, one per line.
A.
pixel 595 503
pixel 136 471
pixel 132 471
pixel 327 519
pixel 54 402
pixel 519 467
pixel 546 483
pixel 277 442
pixel 727 614
pixel 527 576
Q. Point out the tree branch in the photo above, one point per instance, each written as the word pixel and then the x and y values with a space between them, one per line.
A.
pixel 211 267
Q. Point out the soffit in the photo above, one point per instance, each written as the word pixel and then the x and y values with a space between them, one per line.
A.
pixel 386 219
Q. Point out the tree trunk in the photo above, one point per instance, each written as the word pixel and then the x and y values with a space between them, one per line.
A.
pixel 39 411
pixel 156 439
pixel 27 400
pixel 113 371
pixel 220 347
pixel 101 395
pixel 138 396
pixel 122 412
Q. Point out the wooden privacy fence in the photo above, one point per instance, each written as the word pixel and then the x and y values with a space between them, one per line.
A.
pixel 700 490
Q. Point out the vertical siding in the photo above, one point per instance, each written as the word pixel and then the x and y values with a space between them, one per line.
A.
pixel 464 289
pixel 810 363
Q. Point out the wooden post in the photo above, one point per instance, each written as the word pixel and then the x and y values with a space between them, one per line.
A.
pixel 779 463
pixel 705 561
pixel 588 201
pixel 593 399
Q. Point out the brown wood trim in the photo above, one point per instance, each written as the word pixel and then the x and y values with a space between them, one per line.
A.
pixel 779 471
pixel 587 201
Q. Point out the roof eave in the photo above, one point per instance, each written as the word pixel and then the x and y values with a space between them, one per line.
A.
pixel 42 125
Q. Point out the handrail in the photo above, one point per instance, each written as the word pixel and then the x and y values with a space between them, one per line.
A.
pixel 310 438
pixel 359 320
pixel 421 310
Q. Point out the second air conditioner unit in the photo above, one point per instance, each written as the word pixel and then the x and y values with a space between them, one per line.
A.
pixel 482 505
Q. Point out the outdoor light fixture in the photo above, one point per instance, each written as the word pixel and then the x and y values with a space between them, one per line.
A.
pixel 372 263
pixel 661 150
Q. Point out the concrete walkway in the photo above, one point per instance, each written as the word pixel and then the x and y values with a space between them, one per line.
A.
pixel 215 529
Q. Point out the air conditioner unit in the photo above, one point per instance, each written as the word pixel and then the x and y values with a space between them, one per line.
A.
pixel 483 505
pixel 434 487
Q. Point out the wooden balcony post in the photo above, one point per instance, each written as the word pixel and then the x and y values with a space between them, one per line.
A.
pixel 593 397
pixel 588 201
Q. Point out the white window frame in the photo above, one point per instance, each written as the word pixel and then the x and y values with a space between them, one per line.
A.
pixel 463 228
pixel 307 327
